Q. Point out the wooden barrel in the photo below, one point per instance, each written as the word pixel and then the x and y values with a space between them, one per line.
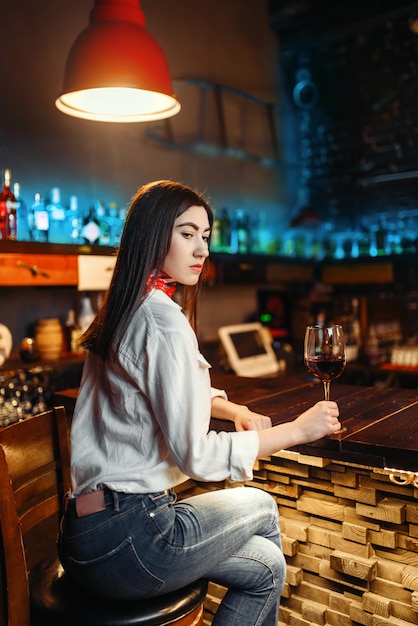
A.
pixel 49 338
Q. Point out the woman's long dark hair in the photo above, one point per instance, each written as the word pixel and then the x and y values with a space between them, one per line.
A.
pixel 145 243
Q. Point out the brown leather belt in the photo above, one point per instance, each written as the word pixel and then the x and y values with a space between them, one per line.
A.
pixel 89 503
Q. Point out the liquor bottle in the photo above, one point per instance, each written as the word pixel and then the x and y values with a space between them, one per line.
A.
pixel 91 228
pixel 30 221
pixel 40 219
pixel 215 237
pixel 8 217
pixel 73 222
pixel 86 315
pixel 225 227
pixel 260 235
pixel 57 215
pixel 72 334
pixel 239 233
pixel 115 224
pixel 243 233
pixel 22 214
pixel 123 212
pixel 101 215
pixel 3 220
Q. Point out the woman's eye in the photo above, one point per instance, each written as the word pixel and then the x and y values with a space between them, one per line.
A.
pixel 206 239
pixel 187 235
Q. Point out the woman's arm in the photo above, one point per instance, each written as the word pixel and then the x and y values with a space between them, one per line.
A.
pixel 243 418
pixel 318 421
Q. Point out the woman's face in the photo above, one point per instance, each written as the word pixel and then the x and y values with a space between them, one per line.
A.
pixel 189 246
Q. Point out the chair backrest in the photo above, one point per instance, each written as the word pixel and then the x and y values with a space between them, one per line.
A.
pixel 34 476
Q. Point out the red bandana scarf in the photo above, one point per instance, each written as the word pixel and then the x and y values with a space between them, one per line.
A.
pixel 161 282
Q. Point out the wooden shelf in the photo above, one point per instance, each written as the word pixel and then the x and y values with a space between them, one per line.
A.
pixel 33 270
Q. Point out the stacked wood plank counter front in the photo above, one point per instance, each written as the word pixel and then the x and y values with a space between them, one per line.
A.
pixel 350 538
pixel 348 503
pixel 350 534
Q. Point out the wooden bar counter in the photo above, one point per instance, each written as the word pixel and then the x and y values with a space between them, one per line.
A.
pixel 349 521
pixel 381 423
pixel 348 503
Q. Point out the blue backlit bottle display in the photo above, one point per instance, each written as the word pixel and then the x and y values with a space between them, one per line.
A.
pixel 245 231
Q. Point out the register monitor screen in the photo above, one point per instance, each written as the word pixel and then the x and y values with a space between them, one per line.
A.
pixel 248 348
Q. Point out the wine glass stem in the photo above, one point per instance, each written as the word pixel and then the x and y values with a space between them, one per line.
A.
pixel 327 384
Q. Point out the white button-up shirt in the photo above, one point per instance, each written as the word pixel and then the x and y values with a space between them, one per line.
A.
pixel 141 421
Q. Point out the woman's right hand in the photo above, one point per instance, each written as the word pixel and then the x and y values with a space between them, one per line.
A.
pixel 320 420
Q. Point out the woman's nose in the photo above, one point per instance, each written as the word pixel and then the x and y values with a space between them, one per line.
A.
pixel 202 249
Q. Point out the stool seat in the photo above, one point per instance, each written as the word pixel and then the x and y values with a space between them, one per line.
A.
pixel 56 600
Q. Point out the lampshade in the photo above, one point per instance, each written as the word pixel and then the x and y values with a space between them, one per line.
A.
pixel 116 71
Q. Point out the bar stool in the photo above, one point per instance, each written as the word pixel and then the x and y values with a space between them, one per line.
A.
pixel 56 601
pixel 34 476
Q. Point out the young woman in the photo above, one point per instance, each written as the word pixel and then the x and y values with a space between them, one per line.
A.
pixel 141 427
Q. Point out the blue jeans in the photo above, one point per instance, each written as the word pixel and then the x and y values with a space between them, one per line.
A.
pixel 147 545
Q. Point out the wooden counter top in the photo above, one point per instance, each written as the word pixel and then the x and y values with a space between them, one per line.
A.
pixel 382 423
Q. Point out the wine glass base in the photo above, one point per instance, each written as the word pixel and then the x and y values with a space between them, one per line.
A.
pixel 340 431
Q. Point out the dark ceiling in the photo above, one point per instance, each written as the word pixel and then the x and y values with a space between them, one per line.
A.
pixel 296 21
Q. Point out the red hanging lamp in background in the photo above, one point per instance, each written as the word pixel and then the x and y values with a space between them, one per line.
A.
pixel 116 71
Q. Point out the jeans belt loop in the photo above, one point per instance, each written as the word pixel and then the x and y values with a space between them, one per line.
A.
pixel 115 497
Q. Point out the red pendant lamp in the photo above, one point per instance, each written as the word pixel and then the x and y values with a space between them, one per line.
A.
pixel 116 71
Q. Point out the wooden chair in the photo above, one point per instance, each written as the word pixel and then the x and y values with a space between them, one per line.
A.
pixel 34 476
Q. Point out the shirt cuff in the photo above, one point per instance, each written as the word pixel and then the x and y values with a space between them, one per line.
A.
pixel 244 451
pixel 218 393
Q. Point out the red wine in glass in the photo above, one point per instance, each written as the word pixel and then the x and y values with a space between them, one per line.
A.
pixel 324 354
pixel 326 367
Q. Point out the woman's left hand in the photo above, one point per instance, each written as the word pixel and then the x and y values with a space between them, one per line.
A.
pixel 248 420
pixel 241 415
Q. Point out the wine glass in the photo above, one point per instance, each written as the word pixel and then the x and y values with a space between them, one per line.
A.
pixel 324 354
